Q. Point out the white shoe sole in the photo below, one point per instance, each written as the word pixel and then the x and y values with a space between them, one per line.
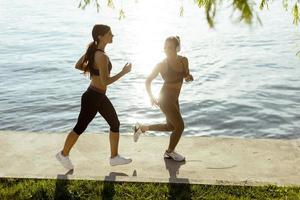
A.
pixel 115 164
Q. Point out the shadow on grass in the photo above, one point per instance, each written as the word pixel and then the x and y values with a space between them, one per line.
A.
pixel 108 191
pixel 61 186
pixel 179 188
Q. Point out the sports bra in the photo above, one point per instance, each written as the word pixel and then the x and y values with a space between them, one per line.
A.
pixel 172 76
pixel 96 72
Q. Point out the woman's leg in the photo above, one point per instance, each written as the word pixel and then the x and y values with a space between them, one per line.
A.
pixel 87 113
pixel 114 143
pixel 158 127
pixel 174 123
pixel 108 112
pixel 172 112
pixel 69 143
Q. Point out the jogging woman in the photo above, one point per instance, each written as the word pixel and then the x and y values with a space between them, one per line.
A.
pixel 96 62
pixel 173 69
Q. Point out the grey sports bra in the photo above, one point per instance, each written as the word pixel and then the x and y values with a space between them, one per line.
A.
pixel 172 76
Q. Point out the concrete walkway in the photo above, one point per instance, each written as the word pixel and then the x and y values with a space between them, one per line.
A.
pixel 210 160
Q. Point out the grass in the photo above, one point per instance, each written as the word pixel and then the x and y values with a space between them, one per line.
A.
pixel 14 189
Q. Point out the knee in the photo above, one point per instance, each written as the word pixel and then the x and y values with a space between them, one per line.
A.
pixel 179 127
pixel 79 129
pixel 115 127
pixel 170 127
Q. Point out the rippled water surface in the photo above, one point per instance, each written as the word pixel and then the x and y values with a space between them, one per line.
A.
pixel 247 80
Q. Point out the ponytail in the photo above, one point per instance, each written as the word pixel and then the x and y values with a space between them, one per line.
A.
pixel 89 56
pixel 98 30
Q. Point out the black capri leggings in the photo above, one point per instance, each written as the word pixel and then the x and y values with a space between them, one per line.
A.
pixel 92 102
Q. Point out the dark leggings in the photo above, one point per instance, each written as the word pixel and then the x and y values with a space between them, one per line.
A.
pixel 92 102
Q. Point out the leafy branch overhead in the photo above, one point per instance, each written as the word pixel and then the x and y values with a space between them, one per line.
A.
pixel 245 8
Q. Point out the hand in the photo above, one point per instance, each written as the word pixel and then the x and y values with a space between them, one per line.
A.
pixel 127 68
pixel 189 78
pixel 154 102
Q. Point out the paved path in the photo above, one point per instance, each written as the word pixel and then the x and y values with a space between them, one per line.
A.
pixel 210 160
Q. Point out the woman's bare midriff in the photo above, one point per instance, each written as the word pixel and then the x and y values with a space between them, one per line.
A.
pixel 96 83
pixel 173 85
pixel 170 91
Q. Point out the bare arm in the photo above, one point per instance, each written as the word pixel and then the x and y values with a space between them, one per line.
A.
pixel 80 64
pixel 101 62
pixel 149 80
pixel 118 75
pixel 188 77
pixel 185 66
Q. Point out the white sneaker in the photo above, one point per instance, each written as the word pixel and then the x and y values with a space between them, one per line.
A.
pixel 119 160
pixel 175 156
pixel 137 132
pixel 64 160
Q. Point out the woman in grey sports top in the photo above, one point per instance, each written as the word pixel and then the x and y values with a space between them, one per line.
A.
pixel 173 69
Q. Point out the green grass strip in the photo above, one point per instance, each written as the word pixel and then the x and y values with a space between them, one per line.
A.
pixel 84 189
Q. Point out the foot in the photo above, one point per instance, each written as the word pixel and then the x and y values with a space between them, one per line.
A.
pixel 119 160
pixel 175 156
pixel 137 132
pixel 64 160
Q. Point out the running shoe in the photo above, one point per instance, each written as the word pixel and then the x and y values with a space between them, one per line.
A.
pixel 64 160
pixel 174 155
pixel 119 160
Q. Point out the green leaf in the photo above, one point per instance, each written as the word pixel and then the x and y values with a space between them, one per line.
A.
pixel 181 11
pixel 285 4
pixel 200 3
pixel 110 4
pixel 97 5
pixel 210 7
pixel 296 14
pixel 263 4
pixel 121 14
pixel 245 8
